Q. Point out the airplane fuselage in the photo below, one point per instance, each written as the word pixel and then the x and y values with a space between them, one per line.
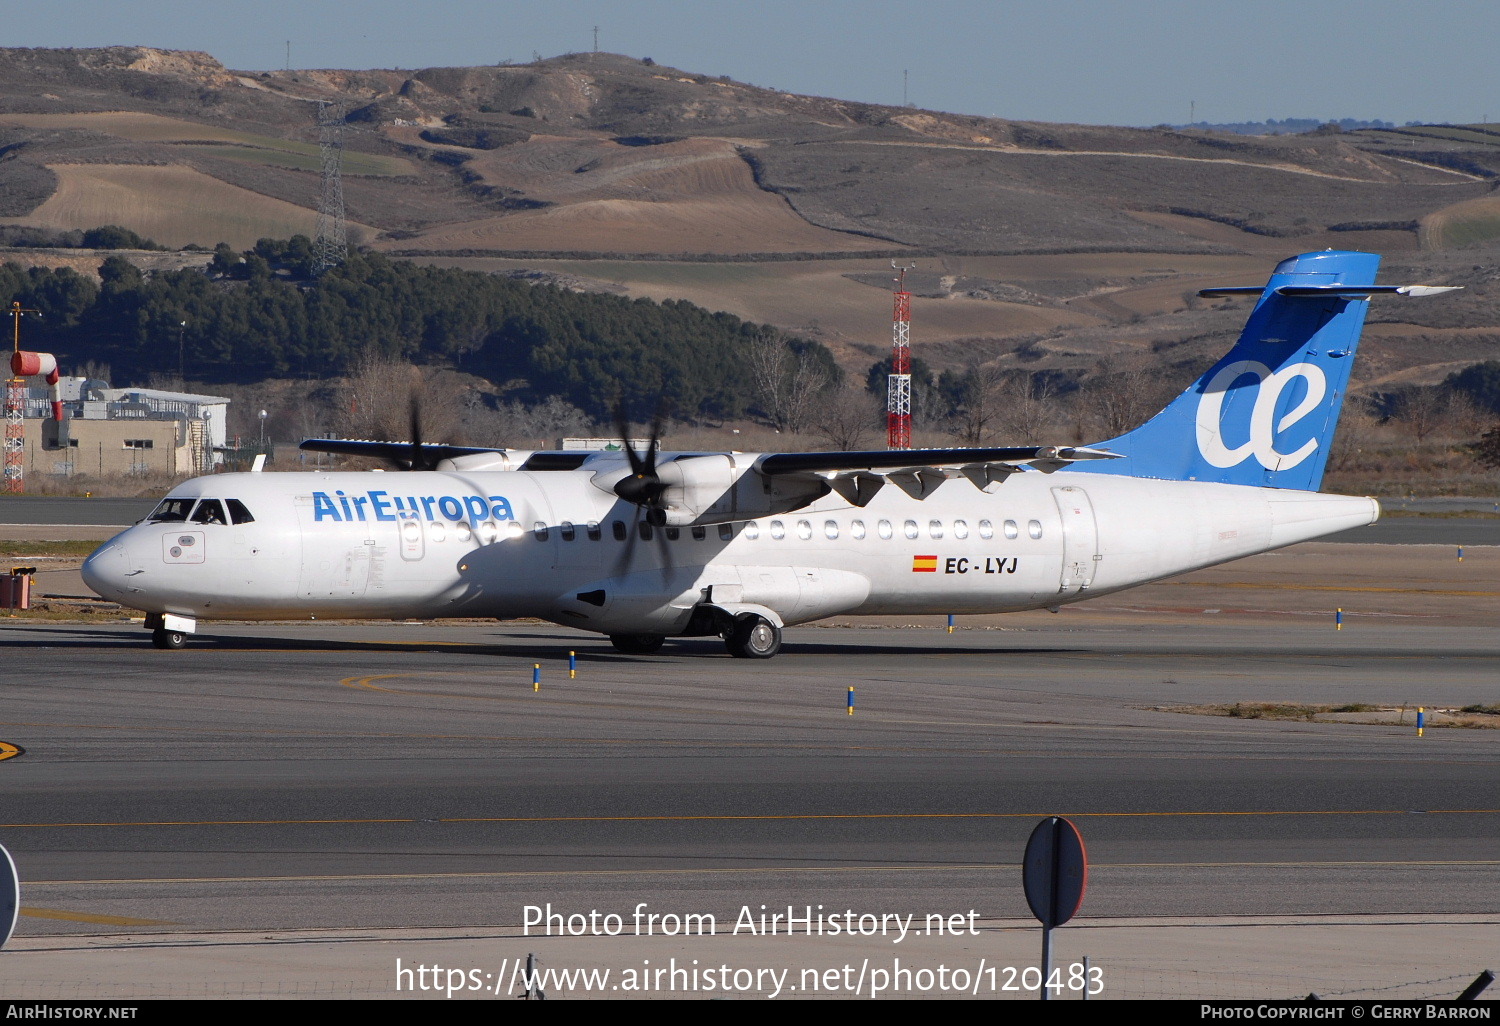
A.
pixel 551 545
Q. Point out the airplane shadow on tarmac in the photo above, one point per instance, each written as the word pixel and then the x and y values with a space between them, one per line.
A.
pixel 514 644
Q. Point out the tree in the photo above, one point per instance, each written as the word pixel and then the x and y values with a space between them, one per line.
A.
pixel 112 236
pixel 978 403
pixel 1421 410
pixel 1027 408
pixel 1356 432
pixel 785 385
pixel 224 261
pixel 1487 450
pixel 1481 382
pixel 846 417
pixel 1124 392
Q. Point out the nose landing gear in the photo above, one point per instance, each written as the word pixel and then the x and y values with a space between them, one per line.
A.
pixel 169 631
pixel 163 638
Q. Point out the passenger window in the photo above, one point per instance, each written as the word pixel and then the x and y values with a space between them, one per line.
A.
pixel 171 511
pixel 566 530
pixel 593 530
pixel 513 529
pixel 911 530
pixel 726 532
pixel 831 529
pixel 778 530
pixel 935 528
pixel 804 530
pixel 209 511
pixel 238 514
pixel 699 533
pixel 752 530
pixel 960 529
pixel 644 530
pixel 884 529
pixel 436 532
pixel 673 533
pixel 618 527
pixel 462 531
pixel 488 531
pixel 540 530
pixel 1011 530
pixel 1034 528
pixel 986 529
pixel 856 529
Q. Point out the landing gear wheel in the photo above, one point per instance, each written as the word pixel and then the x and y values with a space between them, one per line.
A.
pixel 753 637
pixel 637 644
pixel 163 638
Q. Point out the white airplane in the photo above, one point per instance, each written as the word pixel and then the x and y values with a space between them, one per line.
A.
pixel 646 546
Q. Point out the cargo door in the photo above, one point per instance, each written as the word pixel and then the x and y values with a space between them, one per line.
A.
pixel 1080 539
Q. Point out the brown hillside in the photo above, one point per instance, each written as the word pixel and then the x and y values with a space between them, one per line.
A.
pixel 1046 246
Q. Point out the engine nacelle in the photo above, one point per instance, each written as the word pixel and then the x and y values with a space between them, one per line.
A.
pixel 719 488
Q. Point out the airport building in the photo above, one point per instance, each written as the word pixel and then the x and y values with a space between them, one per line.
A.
pixel 113 432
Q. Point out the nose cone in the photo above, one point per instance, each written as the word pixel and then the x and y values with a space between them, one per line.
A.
pixel 105 571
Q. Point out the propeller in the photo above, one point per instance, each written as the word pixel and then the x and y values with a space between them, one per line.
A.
pixel 643 489
pixel 421 459
pixel 416 458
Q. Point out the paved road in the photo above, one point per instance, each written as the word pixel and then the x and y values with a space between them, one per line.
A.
pixel 1425 530
pixel 282 776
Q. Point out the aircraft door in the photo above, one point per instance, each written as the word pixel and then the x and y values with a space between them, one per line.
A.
pixel 413 540
pixel 1080 538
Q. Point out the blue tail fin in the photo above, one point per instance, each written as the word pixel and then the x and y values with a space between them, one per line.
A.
pixel 1265 414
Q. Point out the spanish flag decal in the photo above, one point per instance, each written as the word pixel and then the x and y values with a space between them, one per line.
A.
pixel 924 564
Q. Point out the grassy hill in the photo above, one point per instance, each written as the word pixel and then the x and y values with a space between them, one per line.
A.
pixel 1041 246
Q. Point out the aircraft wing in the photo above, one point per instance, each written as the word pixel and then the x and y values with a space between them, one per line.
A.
pixel 395 452
pixel 857 476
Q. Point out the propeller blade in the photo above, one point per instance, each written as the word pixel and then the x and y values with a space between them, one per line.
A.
pixel 644 486
pixel 643 489
pixel 420 458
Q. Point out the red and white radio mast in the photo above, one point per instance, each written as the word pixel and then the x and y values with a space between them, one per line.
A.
pixel 898 385
pixel 15 414
pixel 24 365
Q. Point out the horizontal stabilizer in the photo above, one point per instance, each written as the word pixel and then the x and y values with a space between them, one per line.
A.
pixel 1332 291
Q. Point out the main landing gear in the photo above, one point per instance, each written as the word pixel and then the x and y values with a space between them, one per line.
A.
pixel 753 637
pixel 637 644
pixel 748 637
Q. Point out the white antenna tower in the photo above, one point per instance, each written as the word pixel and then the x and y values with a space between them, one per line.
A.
pixel 332 242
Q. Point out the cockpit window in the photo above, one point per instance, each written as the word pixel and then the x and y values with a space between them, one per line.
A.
pixel 238 513
pixel 210 511
pixel 171 511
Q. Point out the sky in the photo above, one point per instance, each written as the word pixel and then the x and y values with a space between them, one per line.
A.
pixel 1145 62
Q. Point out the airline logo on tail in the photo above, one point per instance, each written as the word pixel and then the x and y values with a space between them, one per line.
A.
pixel 1263 427
pixel 1265 413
